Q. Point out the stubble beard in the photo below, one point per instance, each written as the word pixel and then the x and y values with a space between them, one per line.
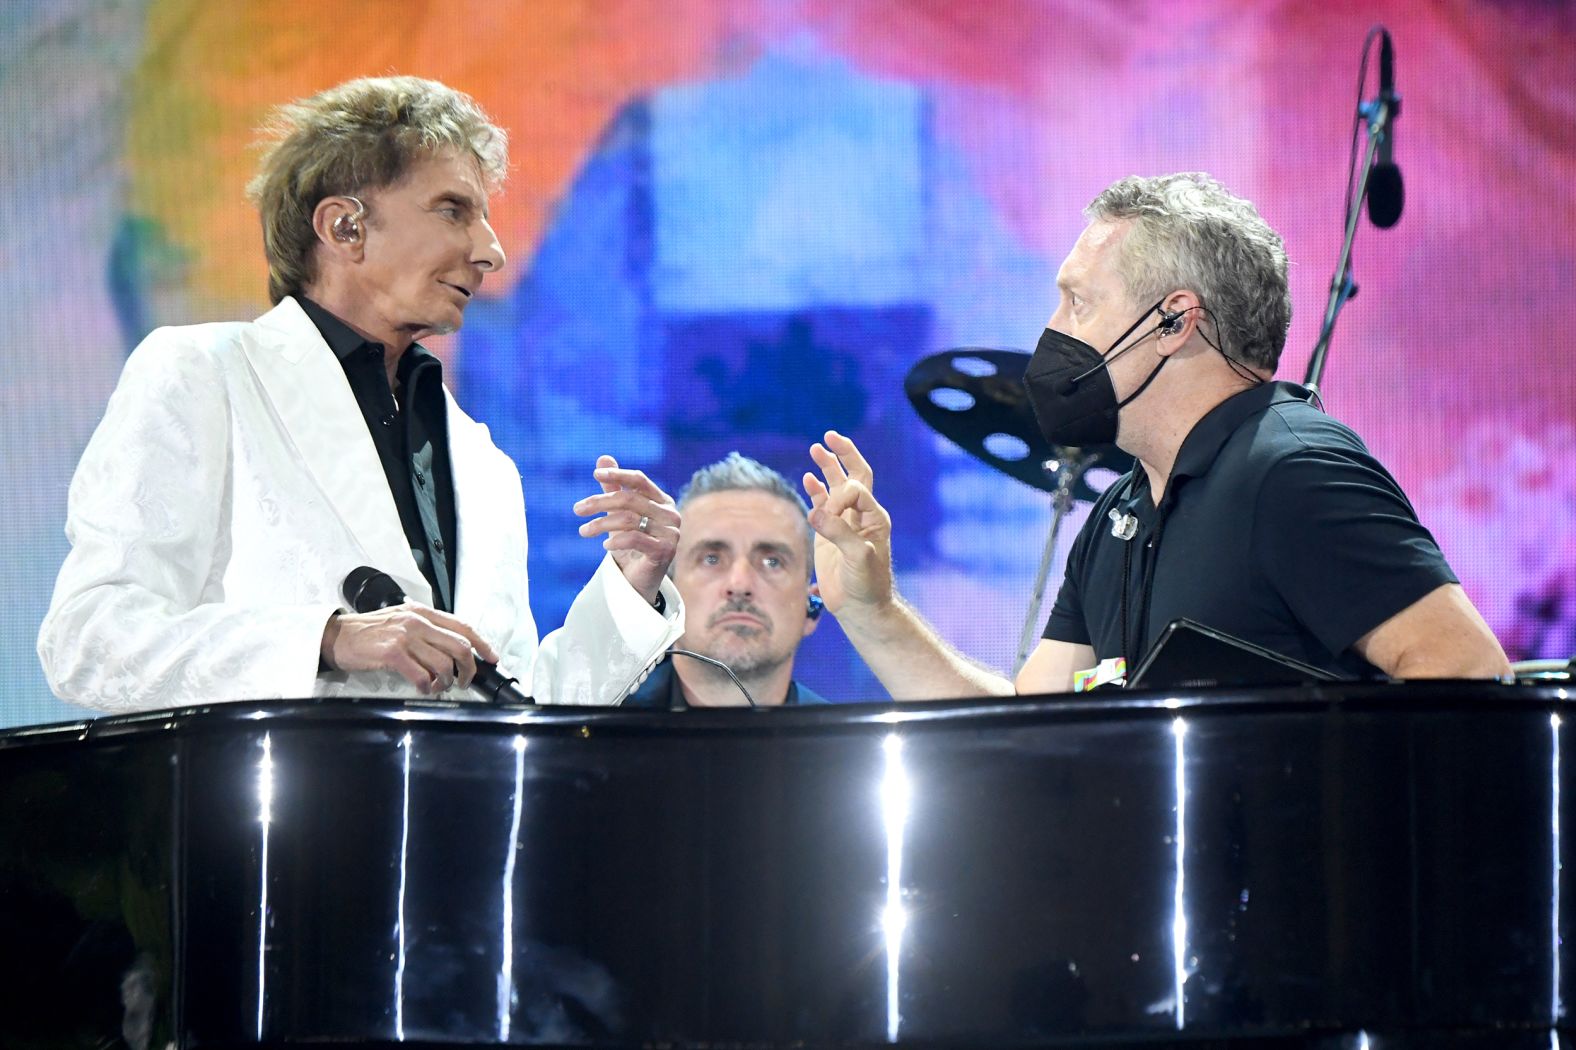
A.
pixel 747 660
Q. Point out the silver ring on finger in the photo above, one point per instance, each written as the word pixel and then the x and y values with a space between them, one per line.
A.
pixel 645 522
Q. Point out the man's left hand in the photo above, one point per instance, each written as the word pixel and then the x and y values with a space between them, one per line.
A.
pixel 640 521
pixel 853 542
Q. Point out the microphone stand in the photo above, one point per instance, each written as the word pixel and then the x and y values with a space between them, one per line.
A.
pixel 1342 288
pixel 1069 470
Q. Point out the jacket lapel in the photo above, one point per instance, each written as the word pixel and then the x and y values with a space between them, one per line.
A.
pixel 483 524
pixel 307 387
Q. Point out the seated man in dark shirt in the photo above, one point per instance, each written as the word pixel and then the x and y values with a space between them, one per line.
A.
pixel 743 571
pixel 1249 510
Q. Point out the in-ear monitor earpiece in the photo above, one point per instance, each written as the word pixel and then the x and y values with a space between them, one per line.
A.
pixel 347 228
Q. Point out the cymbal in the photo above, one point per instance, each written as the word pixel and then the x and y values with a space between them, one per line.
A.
pixel 975 398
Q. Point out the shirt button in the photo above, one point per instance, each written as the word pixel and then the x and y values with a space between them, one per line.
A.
pixel 421 479
pixel 437 545
pixel 388 421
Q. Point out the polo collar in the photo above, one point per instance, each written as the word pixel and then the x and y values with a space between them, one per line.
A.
pixel 1209 435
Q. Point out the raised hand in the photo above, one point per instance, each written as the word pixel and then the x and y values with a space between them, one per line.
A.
pixel 853 562
pixel 640 521
pixel 853 544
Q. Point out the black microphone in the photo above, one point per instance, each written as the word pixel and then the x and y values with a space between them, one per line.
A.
pixel 1386 193
pixel 367 590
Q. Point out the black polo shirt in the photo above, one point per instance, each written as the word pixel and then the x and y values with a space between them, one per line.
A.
pixel 1277 526
pixel 412 438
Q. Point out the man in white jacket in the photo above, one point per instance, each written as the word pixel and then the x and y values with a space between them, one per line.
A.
pixel 242 470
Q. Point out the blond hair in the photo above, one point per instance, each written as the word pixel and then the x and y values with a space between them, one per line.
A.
pixel 361 136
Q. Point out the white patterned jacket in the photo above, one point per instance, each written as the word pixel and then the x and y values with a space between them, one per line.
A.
pixel 228 490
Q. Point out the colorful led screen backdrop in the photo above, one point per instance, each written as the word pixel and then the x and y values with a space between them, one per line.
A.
pixel 732 225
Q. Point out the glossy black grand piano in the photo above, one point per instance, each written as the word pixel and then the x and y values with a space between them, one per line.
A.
pixel 1373 866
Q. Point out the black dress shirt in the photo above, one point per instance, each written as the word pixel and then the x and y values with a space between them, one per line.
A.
pixel 412 438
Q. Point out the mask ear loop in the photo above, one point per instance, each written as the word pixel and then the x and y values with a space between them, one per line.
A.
pixel 1107 357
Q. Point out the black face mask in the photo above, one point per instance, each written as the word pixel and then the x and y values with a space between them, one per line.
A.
pixel 1070 389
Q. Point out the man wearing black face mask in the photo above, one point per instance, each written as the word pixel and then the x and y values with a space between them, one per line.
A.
pixel 1249 510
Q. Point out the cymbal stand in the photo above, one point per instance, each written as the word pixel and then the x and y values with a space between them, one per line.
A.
pixel 1069 470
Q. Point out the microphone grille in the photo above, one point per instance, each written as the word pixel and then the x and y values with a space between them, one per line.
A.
pixel 1386 196
pixel 366 589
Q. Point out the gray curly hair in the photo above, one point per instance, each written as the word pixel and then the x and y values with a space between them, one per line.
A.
pixel 1191 232
pixel 361 136
pixel 738 473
